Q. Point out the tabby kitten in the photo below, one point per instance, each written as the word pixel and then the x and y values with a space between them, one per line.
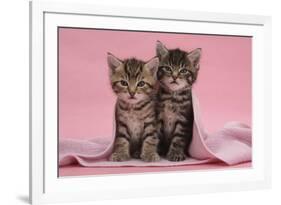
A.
pixel 134 82
pixel 177 72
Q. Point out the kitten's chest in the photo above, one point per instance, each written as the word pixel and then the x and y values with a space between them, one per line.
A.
pixel 134 123
pixel 170 115
pixel 175 108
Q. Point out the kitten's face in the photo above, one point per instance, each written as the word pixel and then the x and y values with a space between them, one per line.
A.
pixel 178 69
pixel 132 80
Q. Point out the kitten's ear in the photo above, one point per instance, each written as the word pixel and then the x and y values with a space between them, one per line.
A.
pixel 161 50
pixel 113 62
pixel 194 57
pixel 152 65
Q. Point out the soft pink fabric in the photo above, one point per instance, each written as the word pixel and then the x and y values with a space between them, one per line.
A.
pixel 231 145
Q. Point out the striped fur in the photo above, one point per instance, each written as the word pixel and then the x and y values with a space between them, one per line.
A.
pixel 136 134
pixel 176 74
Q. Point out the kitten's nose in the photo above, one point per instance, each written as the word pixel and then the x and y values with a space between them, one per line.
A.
pixel 132 94
pixel 174 77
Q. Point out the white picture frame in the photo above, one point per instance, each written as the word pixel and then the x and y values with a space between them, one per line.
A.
pixel 45 186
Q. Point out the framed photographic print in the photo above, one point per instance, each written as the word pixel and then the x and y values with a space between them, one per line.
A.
pixel 129 102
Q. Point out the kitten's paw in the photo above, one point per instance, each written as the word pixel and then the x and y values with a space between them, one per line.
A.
pixel 176 156
pixel 150 157
pixel 119 157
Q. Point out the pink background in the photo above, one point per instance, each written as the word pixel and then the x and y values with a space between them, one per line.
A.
pixel 86 102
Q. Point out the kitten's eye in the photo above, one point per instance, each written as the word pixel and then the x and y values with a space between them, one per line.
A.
pixel 124 83
pixel 183 71
pixel 141 84
pixel 167 69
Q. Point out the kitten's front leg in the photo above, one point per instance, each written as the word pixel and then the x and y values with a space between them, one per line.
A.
pixel 149 149
pixel 177 149
pixel 121 150
pixel 162 147
pixel 150 141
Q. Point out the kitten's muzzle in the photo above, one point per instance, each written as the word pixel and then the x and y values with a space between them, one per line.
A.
pixel 132 98
pixel 175 77
pixel 132 95
pixel 174 81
